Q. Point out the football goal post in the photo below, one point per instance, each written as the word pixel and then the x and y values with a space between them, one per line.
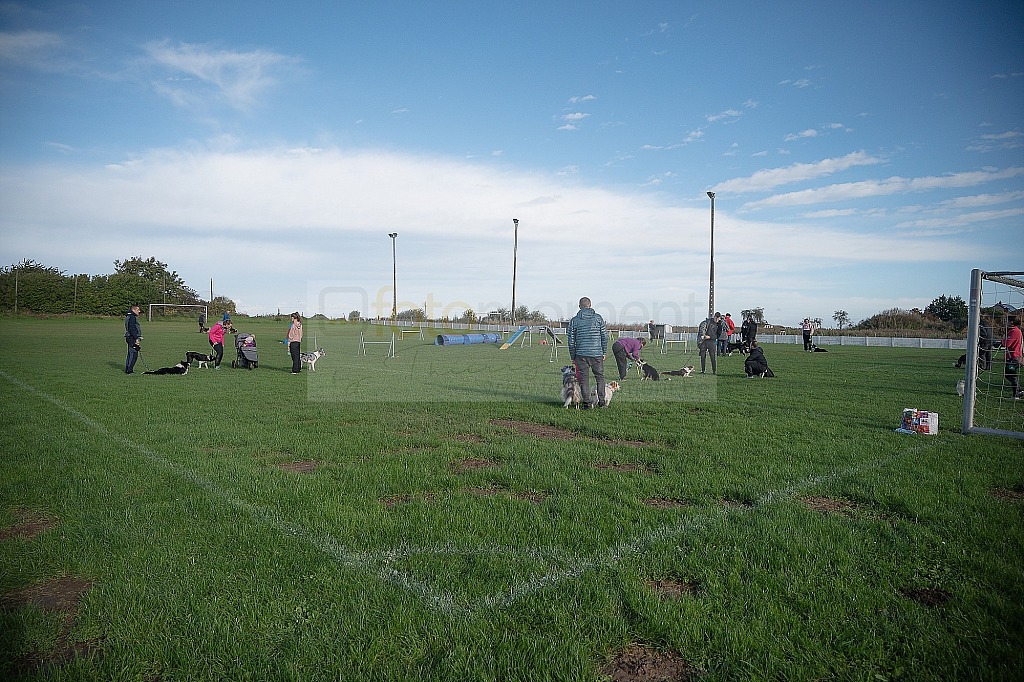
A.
pixel 198 307
pixel 990 406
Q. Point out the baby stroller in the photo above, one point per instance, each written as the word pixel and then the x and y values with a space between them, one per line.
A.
pixel 245 344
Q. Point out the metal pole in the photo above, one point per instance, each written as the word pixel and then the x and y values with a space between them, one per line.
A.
pixel 711 288
pixel 515 253
pixel 394 277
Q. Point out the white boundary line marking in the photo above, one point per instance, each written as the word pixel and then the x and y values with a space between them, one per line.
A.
pixel 379 562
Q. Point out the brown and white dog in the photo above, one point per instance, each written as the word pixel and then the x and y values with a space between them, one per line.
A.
pixel 609 390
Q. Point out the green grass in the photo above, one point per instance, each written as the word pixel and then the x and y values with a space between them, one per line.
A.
pixel 209 561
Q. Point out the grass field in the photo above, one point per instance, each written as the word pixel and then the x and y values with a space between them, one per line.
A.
pixel 439 516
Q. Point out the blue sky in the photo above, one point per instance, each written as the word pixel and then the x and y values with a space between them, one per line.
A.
pixel 864 155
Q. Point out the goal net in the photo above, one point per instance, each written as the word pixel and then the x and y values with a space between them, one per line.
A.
pixel 989 403
pixel 197 308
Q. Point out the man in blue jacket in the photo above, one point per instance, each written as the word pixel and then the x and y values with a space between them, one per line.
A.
pixel 587 339
pixel 133 337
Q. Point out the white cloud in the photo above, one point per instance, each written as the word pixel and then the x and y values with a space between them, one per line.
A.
pixel 34 49
pixel 886 187
pixel 574 117
pixel 584 98
pixel 285 216
pixel 237 78
pixel 728 113
pixel 810 132
pixel 767 179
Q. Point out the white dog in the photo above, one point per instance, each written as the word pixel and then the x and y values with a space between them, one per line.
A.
pixel 311 358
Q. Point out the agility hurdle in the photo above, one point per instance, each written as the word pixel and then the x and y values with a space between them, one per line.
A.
pixel 418 331
pixel 363 343
pixel 553 335
pixel 680 337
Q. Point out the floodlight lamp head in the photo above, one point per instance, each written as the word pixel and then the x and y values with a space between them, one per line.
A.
pixel 711 195
pixel 392 234
pixel 515 220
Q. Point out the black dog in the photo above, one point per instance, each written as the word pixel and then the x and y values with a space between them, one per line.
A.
pixel 647 371
pixel 199 358
pixel 816 349
pixel 180 368
pixel 740 346
pixel 961 361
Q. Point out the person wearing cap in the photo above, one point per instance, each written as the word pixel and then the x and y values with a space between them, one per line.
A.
pixel 133 337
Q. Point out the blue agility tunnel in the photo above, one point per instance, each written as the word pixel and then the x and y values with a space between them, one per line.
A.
pixel 465 339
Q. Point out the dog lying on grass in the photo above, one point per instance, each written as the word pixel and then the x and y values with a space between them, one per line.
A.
pixel 180 368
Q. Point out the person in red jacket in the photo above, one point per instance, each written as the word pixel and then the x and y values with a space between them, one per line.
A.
pixel 217 341
pixel 1013 345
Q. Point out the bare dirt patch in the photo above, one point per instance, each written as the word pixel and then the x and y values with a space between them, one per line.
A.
pixel 734 503
pixel 57 595
pixel 469 438
pixel 666 503
pixel 1007 495
pixel 829 505
pixel 303 467
pixel 668 588
pixel 536 430
pixel 927 596
pixel 27 525
pixel 641 663
pixel 464 465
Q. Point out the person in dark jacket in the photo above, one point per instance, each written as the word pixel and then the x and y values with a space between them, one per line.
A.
pixel 748 330
pixel 756 365
pixel 133 337
pixel 587 338
pixel 707 341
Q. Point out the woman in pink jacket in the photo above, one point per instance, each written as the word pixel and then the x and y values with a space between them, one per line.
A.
pixel 1014 351
pixel 217 341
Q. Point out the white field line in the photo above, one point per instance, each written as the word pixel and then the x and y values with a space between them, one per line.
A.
pixel 379 563
pixel 440 600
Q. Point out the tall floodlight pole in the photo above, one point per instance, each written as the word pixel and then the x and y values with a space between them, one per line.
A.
pixel 711 288
pixel 394 277
pixel 515 255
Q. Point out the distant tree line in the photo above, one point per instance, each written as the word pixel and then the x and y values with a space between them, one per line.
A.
pixel 31 287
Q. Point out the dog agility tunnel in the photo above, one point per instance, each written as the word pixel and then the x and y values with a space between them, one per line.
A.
pixel 465 339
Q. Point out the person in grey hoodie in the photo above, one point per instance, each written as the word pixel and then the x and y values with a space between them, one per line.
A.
pixel 587 339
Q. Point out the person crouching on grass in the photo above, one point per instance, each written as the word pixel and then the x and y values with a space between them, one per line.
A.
pixel 624 350
pixel 295 342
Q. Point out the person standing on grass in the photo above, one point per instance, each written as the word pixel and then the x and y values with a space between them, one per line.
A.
pixel 295 342
pixel 1013 345
pixel 623 350
pixel 587 338
pixel 217 341
pixel 133 337
pixel 731 328
pixel 808 330
pixel 707 341
pixel 748 330
pixel 202 322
